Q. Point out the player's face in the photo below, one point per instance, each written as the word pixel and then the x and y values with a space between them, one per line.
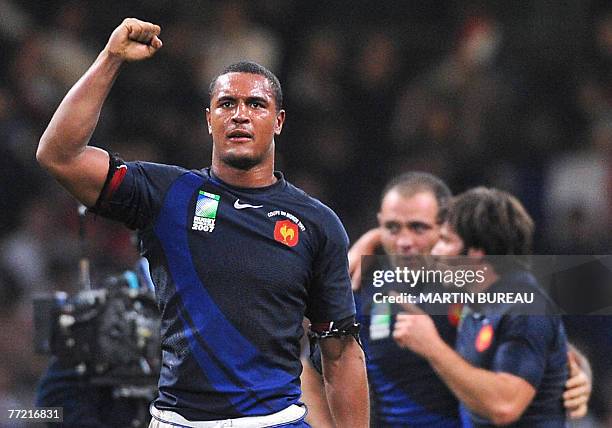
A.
pixel 449 243
pixel 408 224
pixel 243 120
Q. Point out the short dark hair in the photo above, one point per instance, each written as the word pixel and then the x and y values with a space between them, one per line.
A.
pixel 252 68
pixel 410 183
pixel 491 220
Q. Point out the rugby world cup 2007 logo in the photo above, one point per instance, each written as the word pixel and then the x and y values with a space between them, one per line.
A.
pixel 205 212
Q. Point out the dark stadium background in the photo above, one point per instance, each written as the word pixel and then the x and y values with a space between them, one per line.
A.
pixel 516 95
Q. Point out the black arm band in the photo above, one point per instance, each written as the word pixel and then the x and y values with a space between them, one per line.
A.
pixel 342 328
pixel 333 331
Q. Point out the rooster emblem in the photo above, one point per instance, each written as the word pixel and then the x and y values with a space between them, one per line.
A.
pixel 286 232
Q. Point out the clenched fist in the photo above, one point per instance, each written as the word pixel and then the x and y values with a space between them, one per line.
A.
pixel 417 332
pixel 134 40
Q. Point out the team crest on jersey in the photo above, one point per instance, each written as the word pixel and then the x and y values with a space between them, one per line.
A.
pixel 287 232
pixel 484 338
pixel 205 212
pixel 454 314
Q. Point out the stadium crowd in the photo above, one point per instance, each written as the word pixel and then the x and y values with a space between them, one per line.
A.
pixel 519 98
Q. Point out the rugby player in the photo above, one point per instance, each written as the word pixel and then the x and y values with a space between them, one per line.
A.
pixel 237 254
pixel 509 368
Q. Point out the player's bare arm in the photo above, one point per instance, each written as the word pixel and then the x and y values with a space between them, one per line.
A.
pixel 345 381
pixel 63 149
pixel 499 397
pixel 365 246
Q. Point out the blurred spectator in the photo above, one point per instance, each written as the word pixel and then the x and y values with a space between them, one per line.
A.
pixel 461 110
pixel 14 22
pixel 66 53
pixel 314 84
pixel 232 37
pixel 579 195
pixel 603 67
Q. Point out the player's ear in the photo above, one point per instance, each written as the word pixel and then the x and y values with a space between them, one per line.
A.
pixel 280 120
pixel 208 120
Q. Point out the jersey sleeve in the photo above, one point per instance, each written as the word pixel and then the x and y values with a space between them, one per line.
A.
pixel 134 191
pixel 330 297
pixel 525 346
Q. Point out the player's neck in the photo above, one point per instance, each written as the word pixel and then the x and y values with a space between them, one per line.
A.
pixel 261 175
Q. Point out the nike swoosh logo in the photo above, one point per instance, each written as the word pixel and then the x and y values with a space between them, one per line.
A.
pixel 240 206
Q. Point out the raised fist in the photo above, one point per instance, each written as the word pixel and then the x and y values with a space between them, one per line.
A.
pixel 134 40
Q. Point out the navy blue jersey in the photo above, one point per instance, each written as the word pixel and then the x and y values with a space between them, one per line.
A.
pixel 235 272
pixel 405 390
pixel 499 337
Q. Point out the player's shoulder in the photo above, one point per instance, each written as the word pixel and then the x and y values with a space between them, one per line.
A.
pixel 536 328
pixel 158 169
pixel 317 215
pixel 312 206
pixel 160 175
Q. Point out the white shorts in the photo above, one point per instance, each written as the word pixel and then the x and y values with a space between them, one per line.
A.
pixel 170 419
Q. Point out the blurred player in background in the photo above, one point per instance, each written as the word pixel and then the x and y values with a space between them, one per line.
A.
pixel 405 390
pixel 508 367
